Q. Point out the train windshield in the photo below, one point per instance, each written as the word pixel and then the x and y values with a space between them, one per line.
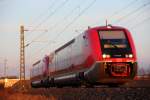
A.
pixel 114 43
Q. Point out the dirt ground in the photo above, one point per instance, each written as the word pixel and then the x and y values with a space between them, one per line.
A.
pixel 78 94
pixel 133 92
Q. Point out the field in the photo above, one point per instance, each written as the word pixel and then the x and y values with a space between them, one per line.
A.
pixel 132 92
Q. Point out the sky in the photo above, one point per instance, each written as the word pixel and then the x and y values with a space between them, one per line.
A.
pixel 51 23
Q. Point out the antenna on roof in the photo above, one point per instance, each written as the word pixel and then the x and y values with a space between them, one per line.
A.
pixel 106 23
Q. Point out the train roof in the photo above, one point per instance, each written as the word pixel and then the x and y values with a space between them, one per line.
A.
pixel 65 45
pixel 36 63
pixel 94 28
pixel 105 27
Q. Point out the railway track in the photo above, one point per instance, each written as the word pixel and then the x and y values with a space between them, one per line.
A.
pixel 68 93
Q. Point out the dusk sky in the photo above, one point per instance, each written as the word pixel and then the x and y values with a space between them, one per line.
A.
pixel 64 20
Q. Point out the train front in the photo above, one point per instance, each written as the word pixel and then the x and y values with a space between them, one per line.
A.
pixel 117 61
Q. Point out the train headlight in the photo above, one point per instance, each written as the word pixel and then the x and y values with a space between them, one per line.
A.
pixel 106 56
pixel 126 55
pixel 130 56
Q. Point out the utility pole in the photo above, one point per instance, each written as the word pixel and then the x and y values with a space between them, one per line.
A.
pixel 22 54
pixel 22 57
pixel 5 67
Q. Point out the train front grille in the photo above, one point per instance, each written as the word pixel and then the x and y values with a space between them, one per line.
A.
pixel 118 69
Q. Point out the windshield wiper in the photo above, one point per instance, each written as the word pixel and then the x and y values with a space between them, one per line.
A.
pixel 115 46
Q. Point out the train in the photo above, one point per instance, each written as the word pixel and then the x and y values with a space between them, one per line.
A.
pixel 99 55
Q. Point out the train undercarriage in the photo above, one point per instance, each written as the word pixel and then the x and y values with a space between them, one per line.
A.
pixel 101 73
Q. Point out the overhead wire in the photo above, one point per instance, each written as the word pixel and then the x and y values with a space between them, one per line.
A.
pixel 120 10
pixel 76 18
pixel 123 8
pixel 56 24
pixel 60 21
pixel 39 17
pixel 65 17
pixel 44 12
pixel 132 12
pixel 50 15
pixel 79 15
pixel 138 24
pixel 137 15
pixel 68 25
pixel 56 10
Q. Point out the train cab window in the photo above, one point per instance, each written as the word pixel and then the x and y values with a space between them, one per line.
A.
pixel 114 43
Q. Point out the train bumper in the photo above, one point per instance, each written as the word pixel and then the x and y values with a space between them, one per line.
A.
pixel 101 72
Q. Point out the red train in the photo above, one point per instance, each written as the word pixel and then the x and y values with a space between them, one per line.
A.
pixel 100 55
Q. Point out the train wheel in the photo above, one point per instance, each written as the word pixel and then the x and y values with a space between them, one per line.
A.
pixel 46 83
pixel 41 83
